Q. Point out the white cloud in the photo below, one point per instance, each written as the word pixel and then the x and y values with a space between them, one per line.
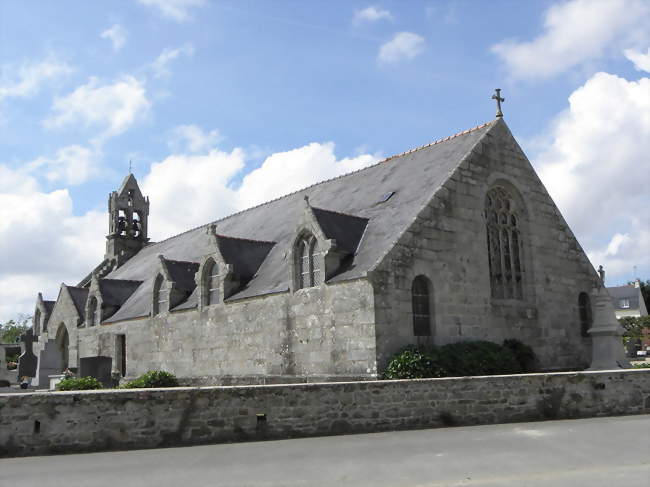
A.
pixel 160 66
pixel 371 14
pixel 72 165
pixel 205 183
pixel 193 138
pixel 26 80
pixel 575 32
pixel 42 242
pixel 115 106
pixel 596 169
pixel 177 10
pixel 117 35
pixel 641 61
pixel 404 45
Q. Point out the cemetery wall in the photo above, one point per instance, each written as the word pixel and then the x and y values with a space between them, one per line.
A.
pixel 43 423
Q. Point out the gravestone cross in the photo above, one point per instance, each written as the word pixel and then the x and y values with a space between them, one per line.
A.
pixel 27 361
pixel 497 97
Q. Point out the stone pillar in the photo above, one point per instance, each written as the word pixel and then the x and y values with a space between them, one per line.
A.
pixel 607 346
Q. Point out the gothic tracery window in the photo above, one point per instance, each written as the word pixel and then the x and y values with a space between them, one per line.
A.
pixel 504 244
pixel 584 311
pixel 420 298
pixel 308 262
pixel 211 283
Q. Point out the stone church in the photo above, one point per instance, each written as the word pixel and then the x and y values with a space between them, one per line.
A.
pixel 455 240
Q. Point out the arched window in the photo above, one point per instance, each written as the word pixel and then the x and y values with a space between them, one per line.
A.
pixel 308 262
pixel 91 317
pixel 160 295
pixel 504 244
pixel 584 310
pixel 420 298
pixel 211 290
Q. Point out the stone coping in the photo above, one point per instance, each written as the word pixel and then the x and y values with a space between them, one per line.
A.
pixel 332 384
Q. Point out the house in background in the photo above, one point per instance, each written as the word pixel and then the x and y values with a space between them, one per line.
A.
pixel 628 302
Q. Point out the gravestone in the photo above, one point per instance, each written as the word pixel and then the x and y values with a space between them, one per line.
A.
pixel 97 367
pixel 27 362
pixel 50 362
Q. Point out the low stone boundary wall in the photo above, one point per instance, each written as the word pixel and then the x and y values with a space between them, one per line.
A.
pixel 58 422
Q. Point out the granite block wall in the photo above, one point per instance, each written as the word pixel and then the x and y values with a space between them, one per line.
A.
pixel 447 243
pixel 62 422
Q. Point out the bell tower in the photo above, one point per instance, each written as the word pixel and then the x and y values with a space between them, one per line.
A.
pixel 128 212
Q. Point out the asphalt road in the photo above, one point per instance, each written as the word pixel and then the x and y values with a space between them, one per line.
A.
pixel 604 452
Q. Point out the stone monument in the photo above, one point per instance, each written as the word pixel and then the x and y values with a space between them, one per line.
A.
pixel 607 346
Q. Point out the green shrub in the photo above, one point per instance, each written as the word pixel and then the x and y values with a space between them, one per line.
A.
pixel 152 379
pixel 641 365
pixel 523 353
pixel 457 360
pixel 78 384
pixel 413 363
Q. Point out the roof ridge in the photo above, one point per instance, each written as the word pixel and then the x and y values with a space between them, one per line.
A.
pixel 436 142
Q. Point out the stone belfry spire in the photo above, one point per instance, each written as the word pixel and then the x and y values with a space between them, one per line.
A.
pixel 128 212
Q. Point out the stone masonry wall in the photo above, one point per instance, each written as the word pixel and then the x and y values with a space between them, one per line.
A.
pixel 40 423
pixel 320 333
pixel 447 243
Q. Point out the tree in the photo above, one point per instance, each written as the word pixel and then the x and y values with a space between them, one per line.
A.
pixel 11 330
pixel 634 328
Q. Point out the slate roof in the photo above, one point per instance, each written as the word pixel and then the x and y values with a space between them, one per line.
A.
pixel 625 292
pixel 414 176
pixel 79 296
pixel 345 229
pixel 49 306
pixel 245 255
pixel 182 273
pixel 115 292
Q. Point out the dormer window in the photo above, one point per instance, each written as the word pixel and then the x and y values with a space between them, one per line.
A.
pixel 308 262
pixel 211 290
pixel 160 295
pixel 624 303
pixel 91 314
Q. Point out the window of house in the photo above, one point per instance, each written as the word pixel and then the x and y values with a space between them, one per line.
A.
pixel 308 262
pixel 212 283
pixel 92 311
pixel 623 303
pixel 160 295
pixel 584 310
pixel 504 244
pixel 420 297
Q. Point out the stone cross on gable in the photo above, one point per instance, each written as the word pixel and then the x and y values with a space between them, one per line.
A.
pixel 497 97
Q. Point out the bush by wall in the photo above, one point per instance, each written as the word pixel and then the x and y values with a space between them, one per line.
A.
pixel 78 384
pixel 461 359
pixel 152 379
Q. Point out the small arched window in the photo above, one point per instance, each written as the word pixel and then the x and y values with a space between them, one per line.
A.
pixel 584 311
pixel 308 262
pixel 160 295
pixel 421 299
pixel 92 311
pixel 504 244
pixel 211 283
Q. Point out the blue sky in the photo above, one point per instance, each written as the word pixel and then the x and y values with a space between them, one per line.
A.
pixel 223 104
